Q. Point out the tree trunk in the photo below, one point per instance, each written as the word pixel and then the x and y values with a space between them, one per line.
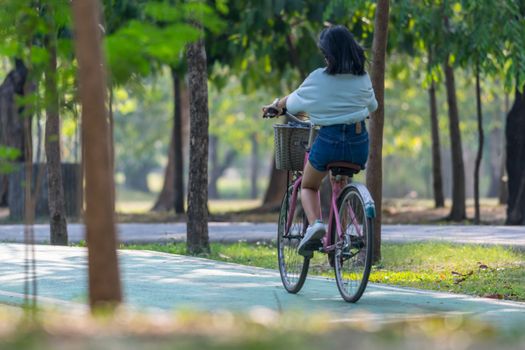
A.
pixel 166 198
pixel 458 211
pixel 437 179
pixel 172 194
pixel 504 188
pixel 374 173
pixel 514 131
pixel 12 132
pixel 503 195
pixel 254 167
pixel 276 188
pixel 197 235
pixel 111 119
pixel 178 161
pixel 495 153
pixel 214 164
pixel 57 210
pixel 104 279
pixel 480 149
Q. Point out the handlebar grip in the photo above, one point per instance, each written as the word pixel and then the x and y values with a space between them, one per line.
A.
pixel 271 113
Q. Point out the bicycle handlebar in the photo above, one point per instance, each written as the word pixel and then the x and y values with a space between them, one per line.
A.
pixel 273 113
pixel 295 119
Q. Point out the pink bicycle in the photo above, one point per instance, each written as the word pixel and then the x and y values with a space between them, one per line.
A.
pixel 348 241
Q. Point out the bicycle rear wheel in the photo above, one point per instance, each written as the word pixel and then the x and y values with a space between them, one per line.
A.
pixel 292 266
pixel 353 252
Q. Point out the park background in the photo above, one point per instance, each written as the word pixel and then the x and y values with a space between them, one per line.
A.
pixel 266 54
pixel 454 76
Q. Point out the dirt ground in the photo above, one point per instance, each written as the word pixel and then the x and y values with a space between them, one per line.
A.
pixel 408 211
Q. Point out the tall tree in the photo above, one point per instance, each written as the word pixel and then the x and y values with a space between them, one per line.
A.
pixel 513 33
pixel 104 278
pixel 458 210
pixel 374 173
pixel 57 210
pixel 480 148
pixel 171 195
pixel 515 131
pixel 147 36
pixel 437 178
pixel 254 166
pixel 197 236
pixel 418 32
pixel 479 23
pixel 178 159
pixel 11 119
pixel 166 199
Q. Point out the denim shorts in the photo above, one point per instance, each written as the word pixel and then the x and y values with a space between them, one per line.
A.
pixel 337 143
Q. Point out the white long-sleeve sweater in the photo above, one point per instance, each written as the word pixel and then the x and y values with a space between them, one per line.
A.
pixel 333 99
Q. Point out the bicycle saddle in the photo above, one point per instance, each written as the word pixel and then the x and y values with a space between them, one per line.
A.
pixel 344 168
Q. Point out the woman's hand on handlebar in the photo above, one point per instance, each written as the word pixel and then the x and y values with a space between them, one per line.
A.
pixel 272 110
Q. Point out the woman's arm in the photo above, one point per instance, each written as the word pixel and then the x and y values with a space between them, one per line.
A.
pixel 372 106
pixel 282 102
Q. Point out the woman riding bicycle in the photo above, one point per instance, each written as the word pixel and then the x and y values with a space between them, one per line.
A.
pixel 338 98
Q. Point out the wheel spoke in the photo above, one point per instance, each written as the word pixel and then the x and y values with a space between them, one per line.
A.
pixel 292 266
pixel 353 249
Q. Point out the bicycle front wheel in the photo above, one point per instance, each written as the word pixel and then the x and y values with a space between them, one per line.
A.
pixel 292 266
pixel 353 252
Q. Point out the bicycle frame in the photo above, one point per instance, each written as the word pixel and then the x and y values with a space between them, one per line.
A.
pixel 337 187
pixel 342 247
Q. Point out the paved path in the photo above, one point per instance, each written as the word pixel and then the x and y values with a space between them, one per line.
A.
pixel 171 282
pixel 232 232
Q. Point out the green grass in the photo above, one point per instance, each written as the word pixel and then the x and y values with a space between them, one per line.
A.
pixel 472 269
pixel 493 271
pixel 261 255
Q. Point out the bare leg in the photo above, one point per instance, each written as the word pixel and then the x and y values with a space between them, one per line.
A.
pixel 309 192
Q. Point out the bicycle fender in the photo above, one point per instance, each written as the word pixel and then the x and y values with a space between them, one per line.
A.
pixel 370 206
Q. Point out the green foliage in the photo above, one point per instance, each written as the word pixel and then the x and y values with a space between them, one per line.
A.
pixel 153 33
pixel 7 156
pixel 25 26
pixel 273 43
pixel 261 49
pixel 471 32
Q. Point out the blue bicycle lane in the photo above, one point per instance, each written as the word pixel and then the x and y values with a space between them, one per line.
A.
pixel 158 281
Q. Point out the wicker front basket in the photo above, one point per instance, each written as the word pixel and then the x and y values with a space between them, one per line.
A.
pixel 290 146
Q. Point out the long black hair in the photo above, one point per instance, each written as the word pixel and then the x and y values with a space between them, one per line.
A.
pixel 343 54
